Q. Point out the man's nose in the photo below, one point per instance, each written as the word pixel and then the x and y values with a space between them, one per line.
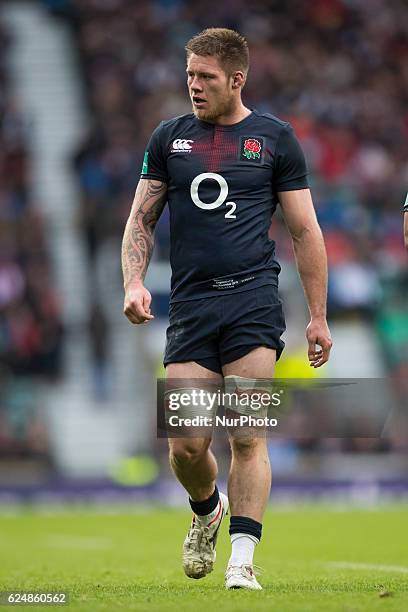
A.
pixel 196 85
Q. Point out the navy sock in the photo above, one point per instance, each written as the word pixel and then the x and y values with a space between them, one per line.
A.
pixel 208 505
pixel 244 524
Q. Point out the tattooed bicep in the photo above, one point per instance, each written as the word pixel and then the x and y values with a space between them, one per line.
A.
pixel 150 199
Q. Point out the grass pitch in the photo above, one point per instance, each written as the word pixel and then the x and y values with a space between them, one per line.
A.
pixel 314 559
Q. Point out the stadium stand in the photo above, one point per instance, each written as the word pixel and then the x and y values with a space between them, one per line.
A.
pixel 30 323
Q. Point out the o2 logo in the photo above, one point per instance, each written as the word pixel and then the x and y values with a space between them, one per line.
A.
pixel 195 184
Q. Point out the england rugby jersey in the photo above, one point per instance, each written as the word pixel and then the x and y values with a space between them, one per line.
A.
pixel 223 183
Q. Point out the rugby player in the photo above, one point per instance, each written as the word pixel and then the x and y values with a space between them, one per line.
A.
pixel 223 169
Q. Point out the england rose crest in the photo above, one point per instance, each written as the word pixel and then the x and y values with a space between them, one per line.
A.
pixel 252 148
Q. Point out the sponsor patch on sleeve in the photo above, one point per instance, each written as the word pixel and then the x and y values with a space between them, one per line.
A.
pixel 145 166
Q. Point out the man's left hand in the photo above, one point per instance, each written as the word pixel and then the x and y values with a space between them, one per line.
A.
pixel 318 333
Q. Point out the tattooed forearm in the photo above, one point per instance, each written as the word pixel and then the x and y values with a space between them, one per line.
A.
pixel 137 245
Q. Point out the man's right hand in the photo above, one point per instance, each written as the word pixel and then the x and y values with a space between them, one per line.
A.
pixel 137 304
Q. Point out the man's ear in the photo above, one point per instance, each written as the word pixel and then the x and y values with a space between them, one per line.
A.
pixel 238 80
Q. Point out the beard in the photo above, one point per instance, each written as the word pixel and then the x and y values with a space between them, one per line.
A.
pixel 223 107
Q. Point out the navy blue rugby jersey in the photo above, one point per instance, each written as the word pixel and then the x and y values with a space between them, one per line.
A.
pixel 222 192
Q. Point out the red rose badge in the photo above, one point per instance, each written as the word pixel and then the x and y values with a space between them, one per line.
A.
pixel 252 148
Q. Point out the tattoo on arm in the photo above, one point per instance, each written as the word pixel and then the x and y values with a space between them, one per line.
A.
pixel 138 239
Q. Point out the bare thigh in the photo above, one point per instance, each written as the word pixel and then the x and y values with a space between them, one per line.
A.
pixel 258 363
pixel 191 369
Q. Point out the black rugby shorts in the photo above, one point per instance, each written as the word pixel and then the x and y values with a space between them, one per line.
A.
pixel 217 330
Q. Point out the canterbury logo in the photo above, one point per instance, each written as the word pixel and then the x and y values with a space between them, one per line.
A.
pixel 180 144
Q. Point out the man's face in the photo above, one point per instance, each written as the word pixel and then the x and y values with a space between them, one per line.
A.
pixel 210 88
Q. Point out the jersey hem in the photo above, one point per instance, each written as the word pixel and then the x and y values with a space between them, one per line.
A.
pixel 289 187
pixel 209 295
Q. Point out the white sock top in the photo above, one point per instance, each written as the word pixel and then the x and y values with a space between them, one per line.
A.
pixel 243 548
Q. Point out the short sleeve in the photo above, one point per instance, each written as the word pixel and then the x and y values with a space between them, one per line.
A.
pixel 290 171
pixel 154 160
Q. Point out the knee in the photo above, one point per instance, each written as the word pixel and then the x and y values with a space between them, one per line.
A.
pixel 247 447
pixel 187 452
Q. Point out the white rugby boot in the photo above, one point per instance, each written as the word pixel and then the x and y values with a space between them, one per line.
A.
pixel 199 546
pixel 241 577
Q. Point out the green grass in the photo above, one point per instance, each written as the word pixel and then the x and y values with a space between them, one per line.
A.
pixel 130 561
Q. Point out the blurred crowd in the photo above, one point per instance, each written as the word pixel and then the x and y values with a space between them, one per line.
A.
pixel 30 322
pixel 336 69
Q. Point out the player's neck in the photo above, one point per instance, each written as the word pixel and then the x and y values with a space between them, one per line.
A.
pixel 236 115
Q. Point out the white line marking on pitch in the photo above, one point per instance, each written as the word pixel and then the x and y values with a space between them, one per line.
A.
pixel 369 566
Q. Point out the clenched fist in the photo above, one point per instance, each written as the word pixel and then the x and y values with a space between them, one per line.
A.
pixel 137 304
